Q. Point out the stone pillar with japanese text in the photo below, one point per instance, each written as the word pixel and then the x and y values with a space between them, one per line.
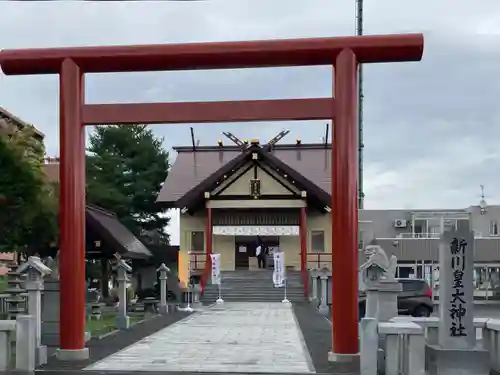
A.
pixel 456 299
pixel 456 352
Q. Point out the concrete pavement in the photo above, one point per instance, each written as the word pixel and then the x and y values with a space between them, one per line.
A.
pixel 233 337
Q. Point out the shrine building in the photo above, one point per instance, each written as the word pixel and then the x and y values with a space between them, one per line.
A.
pixel 231 197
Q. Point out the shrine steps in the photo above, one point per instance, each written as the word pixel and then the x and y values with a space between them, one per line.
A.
pixel 254 286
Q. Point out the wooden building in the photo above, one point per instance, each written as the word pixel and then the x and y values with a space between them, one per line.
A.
pixel 231 196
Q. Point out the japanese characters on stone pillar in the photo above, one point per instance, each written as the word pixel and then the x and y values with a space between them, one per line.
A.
pixel 456 352
pixel 163 270
pixel 36 271
pixel 122 268
pixel 456 303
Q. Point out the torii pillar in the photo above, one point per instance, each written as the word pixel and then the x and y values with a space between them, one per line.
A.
pixel 344 53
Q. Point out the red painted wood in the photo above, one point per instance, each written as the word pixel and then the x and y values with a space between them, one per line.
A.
pixel 208 248
pixel 70 63
pixel 303 249
pixel 220 55
pixel 345 207
pixel 72 208
pixel 206 112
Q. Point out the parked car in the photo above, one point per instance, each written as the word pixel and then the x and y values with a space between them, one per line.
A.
pixel 415 299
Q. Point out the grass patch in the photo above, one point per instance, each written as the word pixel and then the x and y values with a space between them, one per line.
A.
pixel 107 324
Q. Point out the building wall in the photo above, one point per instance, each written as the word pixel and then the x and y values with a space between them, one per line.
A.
pixel 225 245
pixel 482 223
pixel 269 185
pixel 319 222
pixel 379 228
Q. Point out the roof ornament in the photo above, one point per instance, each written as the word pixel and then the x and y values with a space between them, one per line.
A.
pixel 238 142
pixel 193 142
pixel 327 131
pixel 282 134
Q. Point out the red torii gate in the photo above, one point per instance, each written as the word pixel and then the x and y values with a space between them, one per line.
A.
pixel 342 53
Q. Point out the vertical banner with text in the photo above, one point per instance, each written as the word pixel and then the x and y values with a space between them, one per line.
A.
pixel 216 279
pixel 279 268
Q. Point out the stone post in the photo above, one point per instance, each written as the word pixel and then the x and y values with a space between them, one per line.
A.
pixel 50 305
pixel 196 290
pixel 456 349
pixel 122 320
pixel 314 285
pixel 314 295
pixel 25 343
pixel 163 270
pixel 323 305
pixel 382 300
pixel 6 327
pixel 369 346
pixel 36 271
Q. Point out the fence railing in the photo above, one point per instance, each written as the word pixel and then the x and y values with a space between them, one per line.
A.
pixel 319 260
pixel 197 260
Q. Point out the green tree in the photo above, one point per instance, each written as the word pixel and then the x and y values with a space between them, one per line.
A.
pixel 126 167
pixel 28 207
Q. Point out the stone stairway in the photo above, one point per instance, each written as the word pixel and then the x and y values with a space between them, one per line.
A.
pixel 254 286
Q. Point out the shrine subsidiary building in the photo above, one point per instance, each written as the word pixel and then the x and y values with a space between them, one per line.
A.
pixel 232 197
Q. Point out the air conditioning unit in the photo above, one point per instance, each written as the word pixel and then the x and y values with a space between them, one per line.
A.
pixel 400 223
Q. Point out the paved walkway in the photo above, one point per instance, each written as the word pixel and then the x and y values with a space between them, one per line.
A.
pixel 233 337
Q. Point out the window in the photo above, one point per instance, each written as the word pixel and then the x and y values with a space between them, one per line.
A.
pixel 493 228
pixel 412 285
pixel 361 242
pixel 318 241
pixel 198 241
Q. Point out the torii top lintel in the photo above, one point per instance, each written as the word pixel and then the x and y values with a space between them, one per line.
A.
pixel 220 55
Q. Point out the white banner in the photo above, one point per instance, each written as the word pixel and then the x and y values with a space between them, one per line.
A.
pixel 251 230
pixel 279 268
pixel 216 279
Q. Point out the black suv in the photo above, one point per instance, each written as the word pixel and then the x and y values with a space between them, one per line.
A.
pixel 415 299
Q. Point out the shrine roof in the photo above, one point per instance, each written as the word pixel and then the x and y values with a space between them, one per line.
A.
pixel 192 169
pixel 112 231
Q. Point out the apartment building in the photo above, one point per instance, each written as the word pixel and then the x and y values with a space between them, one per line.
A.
pixel 413 236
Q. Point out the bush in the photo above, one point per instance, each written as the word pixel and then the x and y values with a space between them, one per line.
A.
pixel 113 293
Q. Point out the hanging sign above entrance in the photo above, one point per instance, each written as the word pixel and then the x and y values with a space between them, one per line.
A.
pixel 286 230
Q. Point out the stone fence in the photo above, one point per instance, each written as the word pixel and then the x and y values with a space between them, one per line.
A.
pixel 398 347
pixel 24 329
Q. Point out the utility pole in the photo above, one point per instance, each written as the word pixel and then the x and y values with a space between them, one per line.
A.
pixel 359 31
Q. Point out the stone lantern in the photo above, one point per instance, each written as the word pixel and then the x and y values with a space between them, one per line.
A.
pixel 36 271
pixel 122 270
pixel 163 270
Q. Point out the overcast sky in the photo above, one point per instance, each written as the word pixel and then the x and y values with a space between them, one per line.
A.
pixel 432 133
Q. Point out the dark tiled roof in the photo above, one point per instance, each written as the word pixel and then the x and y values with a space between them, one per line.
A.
pixel 191 168
pixel 114 232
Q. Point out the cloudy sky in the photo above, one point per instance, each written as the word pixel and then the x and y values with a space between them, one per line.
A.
pixel 432 129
